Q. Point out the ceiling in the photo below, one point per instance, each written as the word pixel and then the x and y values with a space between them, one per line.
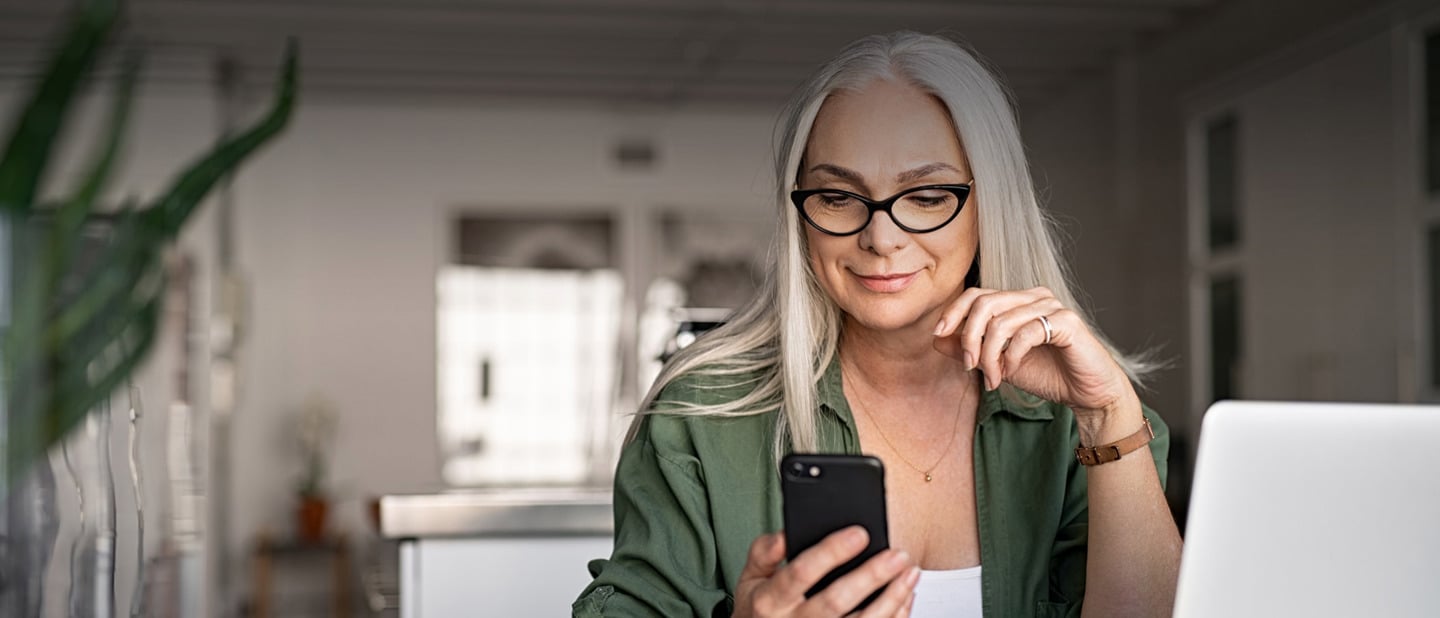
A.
pixel 670 53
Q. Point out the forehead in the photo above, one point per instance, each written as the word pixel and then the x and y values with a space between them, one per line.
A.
pixel 883 127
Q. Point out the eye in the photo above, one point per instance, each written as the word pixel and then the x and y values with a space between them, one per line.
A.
pixel 835 200
pixel 935 199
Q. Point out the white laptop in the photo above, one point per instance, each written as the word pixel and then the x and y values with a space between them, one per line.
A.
pixel 1315 510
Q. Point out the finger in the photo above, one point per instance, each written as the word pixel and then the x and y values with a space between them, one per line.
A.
pixel 977 320
pixel 955 314
pixel 982 310
pixel 844 594
pixel 1002 328
pixel 1027 338
pixel 765 555
pixel 1065 325
pixel 812 564
pixel 897 598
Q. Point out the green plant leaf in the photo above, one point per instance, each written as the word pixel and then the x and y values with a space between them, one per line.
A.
pixel 72 214
pixel 114 340
pixel 176 204
pixel 79 330
pixel 70 217
pixel 132 253
pixel 83 378
pixel 27 153
pixel 83 386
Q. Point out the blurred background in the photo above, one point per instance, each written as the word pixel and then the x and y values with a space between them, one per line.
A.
pixel 488 221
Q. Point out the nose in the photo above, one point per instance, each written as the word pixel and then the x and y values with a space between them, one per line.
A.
pixel 882 236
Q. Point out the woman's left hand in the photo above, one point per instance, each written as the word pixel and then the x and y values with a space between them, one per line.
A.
pixel 1000 332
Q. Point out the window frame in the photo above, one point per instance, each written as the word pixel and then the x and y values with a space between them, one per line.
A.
pixel 1412 130
pixel 1205 264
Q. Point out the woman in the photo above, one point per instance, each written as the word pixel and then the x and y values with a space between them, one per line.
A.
pixel 916 311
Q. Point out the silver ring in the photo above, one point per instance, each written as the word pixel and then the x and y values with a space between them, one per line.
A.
pixel 1048 330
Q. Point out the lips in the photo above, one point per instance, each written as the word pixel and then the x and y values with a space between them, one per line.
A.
pixel 886 283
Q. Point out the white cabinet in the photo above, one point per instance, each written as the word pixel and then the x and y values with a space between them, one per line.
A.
pixel 506 552
pixel 510 577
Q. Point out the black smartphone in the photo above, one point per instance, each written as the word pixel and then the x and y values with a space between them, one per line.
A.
pixel 826 493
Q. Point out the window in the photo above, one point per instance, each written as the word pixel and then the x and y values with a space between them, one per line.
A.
pixel 1432 112
pixel 1430 212
pixel 1222 178
pixel 527 348
pixel 1225 336
pixel 550 327
pixel 1217 255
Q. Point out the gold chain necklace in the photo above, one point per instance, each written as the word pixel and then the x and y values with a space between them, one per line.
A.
pixel 926 471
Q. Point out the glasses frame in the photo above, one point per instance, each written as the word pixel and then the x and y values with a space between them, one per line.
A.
pixel 961 191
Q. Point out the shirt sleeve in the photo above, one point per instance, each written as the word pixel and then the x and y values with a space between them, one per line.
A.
pixel 664 561
pixel 1067 563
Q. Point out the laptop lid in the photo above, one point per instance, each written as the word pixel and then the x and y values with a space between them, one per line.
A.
pixel 1314 509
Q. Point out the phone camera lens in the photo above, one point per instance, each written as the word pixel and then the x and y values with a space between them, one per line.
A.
pixel 814 471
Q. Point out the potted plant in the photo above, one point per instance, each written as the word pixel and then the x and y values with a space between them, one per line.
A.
pixel 315 431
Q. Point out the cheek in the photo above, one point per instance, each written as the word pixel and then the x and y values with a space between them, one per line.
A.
pixel 817 250
pixel 822 252
pixel 966 235
pixel 953 251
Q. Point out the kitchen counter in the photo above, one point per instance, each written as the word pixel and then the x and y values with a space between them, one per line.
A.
pixel 497 512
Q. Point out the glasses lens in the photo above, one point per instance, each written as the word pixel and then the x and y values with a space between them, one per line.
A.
pixel 926 209
pixel 836 212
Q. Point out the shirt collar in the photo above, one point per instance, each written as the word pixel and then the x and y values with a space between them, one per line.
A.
pixel 832 401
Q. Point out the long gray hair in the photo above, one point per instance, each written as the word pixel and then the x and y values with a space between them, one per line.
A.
pixel 779 345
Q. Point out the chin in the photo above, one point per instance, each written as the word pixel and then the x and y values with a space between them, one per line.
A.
pixel 886 316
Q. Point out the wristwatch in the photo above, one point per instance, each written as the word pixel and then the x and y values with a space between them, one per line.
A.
pixel 1106 453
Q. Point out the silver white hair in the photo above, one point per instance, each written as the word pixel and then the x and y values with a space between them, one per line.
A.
pixel 777 347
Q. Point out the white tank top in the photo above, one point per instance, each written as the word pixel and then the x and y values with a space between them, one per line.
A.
pixel 948 594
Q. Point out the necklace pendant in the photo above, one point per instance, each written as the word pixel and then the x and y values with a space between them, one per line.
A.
pixel 927 477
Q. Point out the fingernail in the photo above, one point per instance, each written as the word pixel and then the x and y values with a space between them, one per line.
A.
pixel 856 535
pixel 913 576
pixel 897 558
pixel 969 361
pixel 940 328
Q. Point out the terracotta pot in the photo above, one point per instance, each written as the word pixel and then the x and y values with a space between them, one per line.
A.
pixel 310 519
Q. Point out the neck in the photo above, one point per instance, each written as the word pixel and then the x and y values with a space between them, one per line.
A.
pixel 900 364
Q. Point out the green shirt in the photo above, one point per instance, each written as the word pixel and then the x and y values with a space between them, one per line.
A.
pixel 692 493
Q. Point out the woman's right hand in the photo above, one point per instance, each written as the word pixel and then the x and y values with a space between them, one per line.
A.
pixel 768 589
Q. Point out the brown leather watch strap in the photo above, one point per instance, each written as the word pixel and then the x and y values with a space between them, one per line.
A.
pixel 1106 453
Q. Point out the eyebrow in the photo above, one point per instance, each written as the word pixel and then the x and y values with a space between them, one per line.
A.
pixel 850 175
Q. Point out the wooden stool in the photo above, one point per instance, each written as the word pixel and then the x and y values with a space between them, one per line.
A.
pixel 268 554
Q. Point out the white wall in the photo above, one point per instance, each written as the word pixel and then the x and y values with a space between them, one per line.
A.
pixel 340 228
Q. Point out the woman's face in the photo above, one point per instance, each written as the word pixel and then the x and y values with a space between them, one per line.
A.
pixel 877 141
